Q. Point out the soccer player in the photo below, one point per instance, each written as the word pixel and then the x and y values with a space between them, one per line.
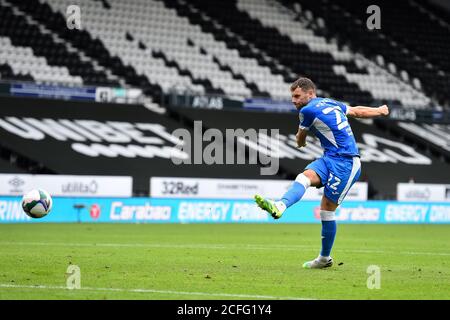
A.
pixel 337 170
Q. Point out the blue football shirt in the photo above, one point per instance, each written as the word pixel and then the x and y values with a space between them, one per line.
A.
pixel 327 120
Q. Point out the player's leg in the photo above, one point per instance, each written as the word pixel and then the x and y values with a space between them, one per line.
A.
pixel 314 175
pixel 309 178
pixel 327 216
pixel 343 174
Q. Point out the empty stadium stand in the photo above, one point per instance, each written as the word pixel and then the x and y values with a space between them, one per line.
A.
pixel 434 136
pixel 6 72
pixel 408 40
pixel 244 48
pixel 236 50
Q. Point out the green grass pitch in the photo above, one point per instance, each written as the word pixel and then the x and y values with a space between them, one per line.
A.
pixel 222 261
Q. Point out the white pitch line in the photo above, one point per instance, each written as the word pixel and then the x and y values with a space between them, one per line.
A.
pixel 212 246
pixel 157 245
pixel 399 252
pixel 227 295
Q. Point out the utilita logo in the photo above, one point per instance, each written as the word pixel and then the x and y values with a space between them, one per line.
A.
pixel 80 187
pixel 95 211
pixel 16 183
pixel 419 194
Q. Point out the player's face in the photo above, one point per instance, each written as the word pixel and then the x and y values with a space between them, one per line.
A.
pixel 300 97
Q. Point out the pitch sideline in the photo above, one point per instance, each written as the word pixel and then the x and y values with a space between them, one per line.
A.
pixel 210 246
pixel 225 295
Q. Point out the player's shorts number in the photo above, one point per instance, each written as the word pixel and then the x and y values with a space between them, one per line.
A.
pixel 334 185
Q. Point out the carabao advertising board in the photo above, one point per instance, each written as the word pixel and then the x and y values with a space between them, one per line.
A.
pixel 152 210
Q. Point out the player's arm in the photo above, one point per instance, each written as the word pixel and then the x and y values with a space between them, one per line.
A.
pixel 306 117
pixel 367 112
pixel 301 137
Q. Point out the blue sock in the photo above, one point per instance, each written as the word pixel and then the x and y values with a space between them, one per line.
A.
pixel 294 194
pixel 328 235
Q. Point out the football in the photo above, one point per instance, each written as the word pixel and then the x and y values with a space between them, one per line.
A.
pixel 37 203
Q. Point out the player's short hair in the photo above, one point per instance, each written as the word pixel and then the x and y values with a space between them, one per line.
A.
pixel 303 83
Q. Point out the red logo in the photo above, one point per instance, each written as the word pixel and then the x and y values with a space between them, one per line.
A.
pixel 317 213
pixel 95 211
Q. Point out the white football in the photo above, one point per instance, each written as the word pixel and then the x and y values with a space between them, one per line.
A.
pixel 37 203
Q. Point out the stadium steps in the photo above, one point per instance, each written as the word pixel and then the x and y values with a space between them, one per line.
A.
pixel 77 41
pixel 6 73
pixel 94 49
pixel 208 26
pixel 50 23
pixel 12 161
pixel 308 30
pixel 298 57
pixel 426 30
pixel 104 3
pixel 426 137
pixel 172 63
pixel 22 60
pixel 232 40
pixel 256 92
pixel 9 167
pixel 170 36
pixel 435 13
pixel 349 17
pixel 22 33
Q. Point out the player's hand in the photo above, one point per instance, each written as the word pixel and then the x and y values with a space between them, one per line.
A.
pixel 384 110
